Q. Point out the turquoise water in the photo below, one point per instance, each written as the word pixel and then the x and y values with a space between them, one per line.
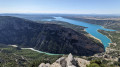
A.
pixel 42 51
pixel 91 29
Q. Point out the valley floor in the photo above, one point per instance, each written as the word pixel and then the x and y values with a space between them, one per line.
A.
pixel 16 57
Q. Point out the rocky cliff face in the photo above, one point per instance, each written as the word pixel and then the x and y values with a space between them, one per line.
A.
pixel 69 61
pixel 46 37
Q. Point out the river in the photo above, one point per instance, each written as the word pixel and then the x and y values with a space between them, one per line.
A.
pixel 91 29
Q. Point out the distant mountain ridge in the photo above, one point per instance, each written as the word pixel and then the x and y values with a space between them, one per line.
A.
pixel 46 37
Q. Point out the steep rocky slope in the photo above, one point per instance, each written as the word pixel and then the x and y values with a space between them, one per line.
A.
pixel 69 61
pixel 46 37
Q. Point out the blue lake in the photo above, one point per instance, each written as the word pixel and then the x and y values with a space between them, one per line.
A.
pixel 91 29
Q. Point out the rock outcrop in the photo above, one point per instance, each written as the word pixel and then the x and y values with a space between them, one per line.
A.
pixel 44 65
pixel 69 61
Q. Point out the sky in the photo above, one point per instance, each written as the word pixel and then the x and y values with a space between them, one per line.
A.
pixel 61 6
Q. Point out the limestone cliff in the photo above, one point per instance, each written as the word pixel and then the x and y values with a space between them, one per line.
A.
pixel 69 61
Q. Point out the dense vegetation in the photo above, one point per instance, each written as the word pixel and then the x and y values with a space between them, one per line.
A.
pixel 46 37
pixel 15 57
pixel 77 28
pixel 102 63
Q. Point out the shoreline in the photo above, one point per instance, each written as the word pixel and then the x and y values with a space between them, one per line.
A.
pixel 89 35
pixel 36 50
pixel 94 37
pixel 41 51
pixel 108 48
pixel 107 37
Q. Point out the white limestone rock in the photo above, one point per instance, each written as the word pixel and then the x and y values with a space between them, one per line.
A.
pixel 69 61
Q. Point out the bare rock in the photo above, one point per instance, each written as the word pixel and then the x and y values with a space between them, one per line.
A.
pixel 82 62
pixel 69 61
pixel 55 65
pixel 44 65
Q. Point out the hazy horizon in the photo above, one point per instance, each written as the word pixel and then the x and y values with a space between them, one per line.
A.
pixel 61 6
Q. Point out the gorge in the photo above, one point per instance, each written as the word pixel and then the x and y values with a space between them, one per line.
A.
pixel 91 29
pixel 50 38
